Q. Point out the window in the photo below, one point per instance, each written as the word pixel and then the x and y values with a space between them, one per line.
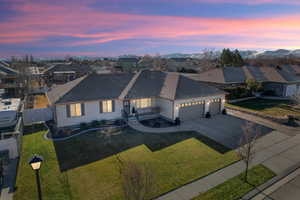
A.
pixel 106 106
pixel 142 103
pixel 75 110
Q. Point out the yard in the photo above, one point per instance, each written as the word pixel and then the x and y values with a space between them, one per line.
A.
pixel 86 167
pixel 40 101
pixel 274 108
pixel 235 188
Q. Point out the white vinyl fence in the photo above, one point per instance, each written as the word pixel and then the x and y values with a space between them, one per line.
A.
pixel 31 116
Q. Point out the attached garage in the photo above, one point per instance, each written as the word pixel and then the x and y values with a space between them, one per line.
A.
pixel 215 106
pixel 193 110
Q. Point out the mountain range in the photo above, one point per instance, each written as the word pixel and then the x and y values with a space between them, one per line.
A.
pixel 280 53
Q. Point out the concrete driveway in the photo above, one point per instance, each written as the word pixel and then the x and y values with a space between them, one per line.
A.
pixel 224 129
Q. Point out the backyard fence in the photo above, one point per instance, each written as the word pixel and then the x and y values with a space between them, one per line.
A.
pixel 32 116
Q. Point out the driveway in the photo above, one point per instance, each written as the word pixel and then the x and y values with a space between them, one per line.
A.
pixel 224 129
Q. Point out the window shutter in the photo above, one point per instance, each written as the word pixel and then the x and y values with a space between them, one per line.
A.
pixel 82 109
pixel 68 111
pixel 100 107
pixel 113 105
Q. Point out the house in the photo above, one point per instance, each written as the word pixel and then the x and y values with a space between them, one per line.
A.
pixel 147 93
pixel 63 73
pixel 281 81
pixel 9 109
pixel 9 80
pixel 128 64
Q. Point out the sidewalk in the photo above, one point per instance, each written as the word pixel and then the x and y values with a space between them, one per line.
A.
pixel 277 151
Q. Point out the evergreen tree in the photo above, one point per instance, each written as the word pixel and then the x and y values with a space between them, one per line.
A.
pixel 229 58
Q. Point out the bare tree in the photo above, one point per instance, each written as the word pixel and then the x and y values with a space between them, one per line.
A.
pixel 137 180
pixel 246 150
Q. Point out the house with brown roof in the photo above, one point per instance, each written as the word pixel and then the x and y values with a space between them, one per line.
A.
pixel 146 93
pixel 283 81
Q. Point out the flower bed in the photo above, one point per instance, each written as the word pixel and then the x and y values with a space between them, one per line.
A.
pixel 56 133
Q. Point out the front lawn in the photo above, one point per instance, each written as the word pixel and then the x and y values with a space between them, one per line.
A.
pixel 236 188
pixel 276 108
pixel 90 169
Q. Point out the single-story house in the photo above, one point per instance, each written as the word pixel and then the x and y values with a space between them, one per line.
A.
pixel 63 73
pixel 283 81
pixel 115 96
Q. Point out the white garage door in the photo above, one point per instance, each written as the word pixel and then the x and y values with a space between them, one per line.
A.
pixel 194 110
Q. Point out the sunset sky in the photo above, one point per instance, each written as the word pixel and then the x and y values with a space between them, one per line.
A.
pixel 51 28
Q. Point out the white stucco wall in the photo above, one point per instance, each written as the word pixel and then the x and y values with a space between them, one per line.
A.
pixel 206 99
pixel 292 90
pixel 92 112
pixel 166 107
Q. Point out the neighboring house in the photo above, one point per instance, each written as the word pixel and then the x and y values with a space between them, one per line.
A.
pixel 9 80
pixel 128 64
pixel 9 109
pixel 282 81
pixel 115 96
pixel 63 73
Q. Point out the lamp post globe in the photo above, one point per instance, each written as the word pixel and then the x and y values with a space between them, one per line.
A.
pixel 36 162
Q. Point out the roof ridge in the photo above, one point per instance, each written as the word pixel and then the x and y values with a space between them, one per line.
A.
pixel 129 85
pixel 76 81
pixel 169 87
pixel 248 73
pixel 9 68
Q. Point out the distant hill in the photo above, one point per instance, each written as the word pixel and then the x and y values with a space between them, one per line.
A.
pixel 245 54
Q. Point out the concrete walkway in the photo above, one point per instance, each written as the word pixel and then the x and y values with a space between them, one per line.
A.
pixel 276 151
pixel 265 122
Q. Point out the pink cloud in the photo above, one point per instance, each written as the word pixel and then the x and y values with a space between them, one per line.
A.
pixel 250 2
pixel 39 21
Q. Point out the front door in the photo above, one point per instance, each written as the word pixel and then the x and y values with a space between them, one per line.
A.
pixel 126 105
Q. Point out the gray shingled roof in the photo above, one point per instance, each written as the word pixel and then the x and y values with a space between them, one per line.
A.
pixel 6 70
pixel 188 88
pixel 110 86
pixel 257 73
pixel 82 68
pixel 148 84
pixel 234 74
pixel 95 87
pixel 283 74
pixel 287 75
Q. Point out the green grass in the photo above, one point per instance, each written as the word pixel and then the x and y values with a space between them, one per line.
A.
pixel 54 184
pixel 236 188
pixel 276 108
pixel 173 166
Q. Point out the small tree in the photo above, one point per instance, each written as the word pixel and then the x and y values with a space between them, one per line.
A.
pixel 253 85
pixel 246 150
pixel 137 180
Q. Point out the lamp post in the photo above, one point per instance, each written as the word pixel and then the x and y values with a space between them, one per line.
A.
pixel 35 163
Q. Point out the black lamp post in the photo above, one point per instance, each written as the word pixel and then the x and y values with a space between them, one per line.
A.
pixel 35 163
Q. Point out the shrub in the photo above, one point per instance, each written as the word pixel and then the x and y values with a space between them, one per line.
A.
pixel 83 126
pixel 102 122
pixel 177 121
pixel 95 123
pixel 224 112
pixel 119 122
pixel 208 115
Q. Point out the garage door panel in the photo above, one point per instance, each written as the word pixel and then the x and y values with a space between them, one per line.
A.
pixel 215 108
pixel 191 112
